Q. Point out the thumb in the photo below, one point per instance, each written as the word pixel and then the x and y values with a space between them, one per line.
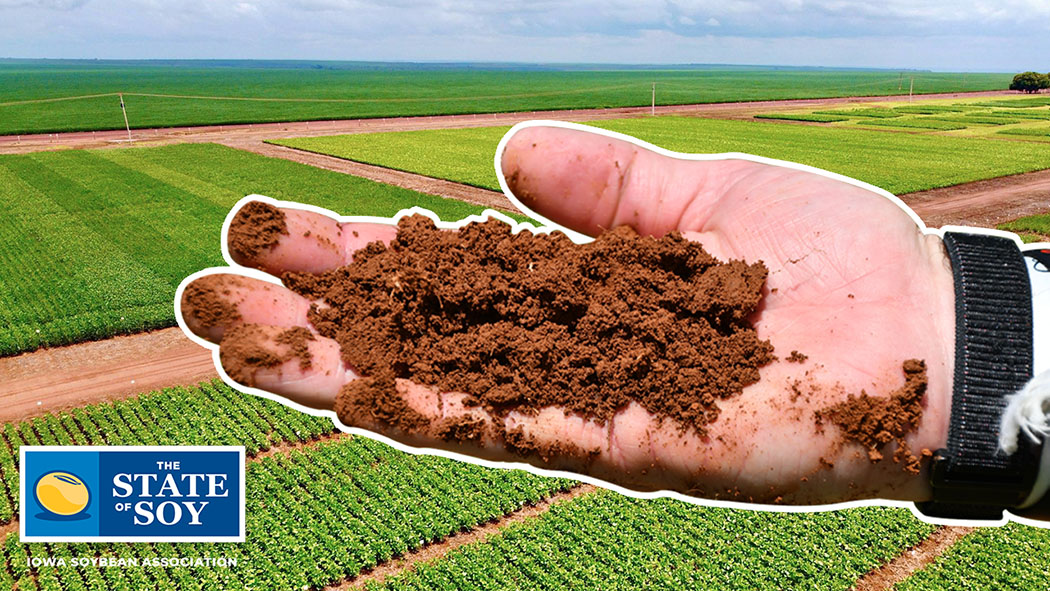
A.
pixel 589 182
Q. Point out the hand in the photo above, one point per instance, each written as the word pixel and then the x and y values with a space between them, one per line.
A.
pixel 854 284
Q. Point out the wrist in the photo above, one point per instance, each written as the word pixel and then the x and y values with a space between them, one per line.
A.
pixel 970 477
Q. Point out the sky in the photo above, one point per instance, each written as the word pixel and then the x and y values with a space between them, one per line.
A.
pixel 955 35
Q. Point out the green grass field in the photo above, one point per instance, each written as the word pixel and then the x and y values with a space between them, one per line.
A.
pixel 1028 102
pixel 977 118
pixel 330 510
pixel 94 243
pixel 899 163
pixel 1035 225
pixel 295 91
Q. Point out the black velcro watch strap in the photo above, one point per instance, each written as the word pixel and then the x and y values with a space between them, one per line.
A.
pixel 971 479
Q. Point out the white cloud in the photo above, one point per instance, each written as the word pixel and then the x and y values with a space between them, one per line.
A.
pixel 712 22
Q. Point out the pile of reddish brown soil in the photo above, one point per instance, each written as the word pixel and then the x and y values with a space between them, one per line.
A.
pixel 525 321
pixel 874 422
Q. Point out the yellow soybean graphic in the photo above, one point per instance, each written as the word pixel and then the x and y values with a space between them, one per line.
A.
pixel 62 493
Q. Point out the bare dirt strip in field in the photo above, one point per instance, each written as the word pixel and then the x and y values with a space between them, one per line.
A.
pixel 405 180
pixel 912 560
pixel 50 380
pixel 16 144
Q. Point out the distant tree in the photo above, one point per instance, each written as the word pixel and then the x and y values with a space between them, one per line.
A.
pixel 1030 82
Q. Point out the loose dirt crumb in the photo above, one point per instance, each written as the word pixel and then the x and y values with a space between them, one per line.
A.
pixel 797 357
pixel 874 422
pixel 524 321
pixel 255 228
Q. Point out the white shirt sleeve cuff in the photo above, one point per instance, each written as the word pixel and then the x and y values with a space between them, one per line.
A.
pixel 1037 392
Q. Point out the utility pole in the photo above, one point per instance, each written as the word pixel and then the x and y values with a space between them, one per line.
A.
pixel 125 111
pixel 654 99
pixel 900 82
pixel 911 88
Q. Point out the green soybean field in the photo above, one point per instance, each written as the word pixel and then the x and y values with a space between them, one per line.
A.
pixel 94 243
pixel 607 541
pixel 1009 557
pixel 326 510
pixel 316 514
pixel 54 96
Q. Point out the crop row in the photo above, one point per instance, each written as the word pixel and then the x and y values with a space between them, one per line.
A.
pixel 314 517
pixel 814 117
pixel 208 414
pixel 917 123
pixel 607 541
pixel 873 112
pixel 1028 131
pixel 93 243
pixel 899 163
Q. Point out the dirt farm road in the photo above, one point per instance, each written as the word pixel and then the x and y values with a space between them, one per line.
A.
pixel 983 203
pixel 62 378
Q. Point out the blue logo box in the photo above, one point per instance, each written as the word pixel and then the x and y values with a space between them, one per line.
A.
pixel 132 494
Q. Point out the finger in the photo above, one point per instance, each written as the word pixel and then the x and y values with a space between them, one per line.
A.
pixel 590 182
pixel 291 362
pixel 279 240
pixel 213 304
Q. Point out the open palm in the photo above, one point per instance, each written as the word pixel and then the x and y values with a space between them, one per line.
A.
pixel 854 285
